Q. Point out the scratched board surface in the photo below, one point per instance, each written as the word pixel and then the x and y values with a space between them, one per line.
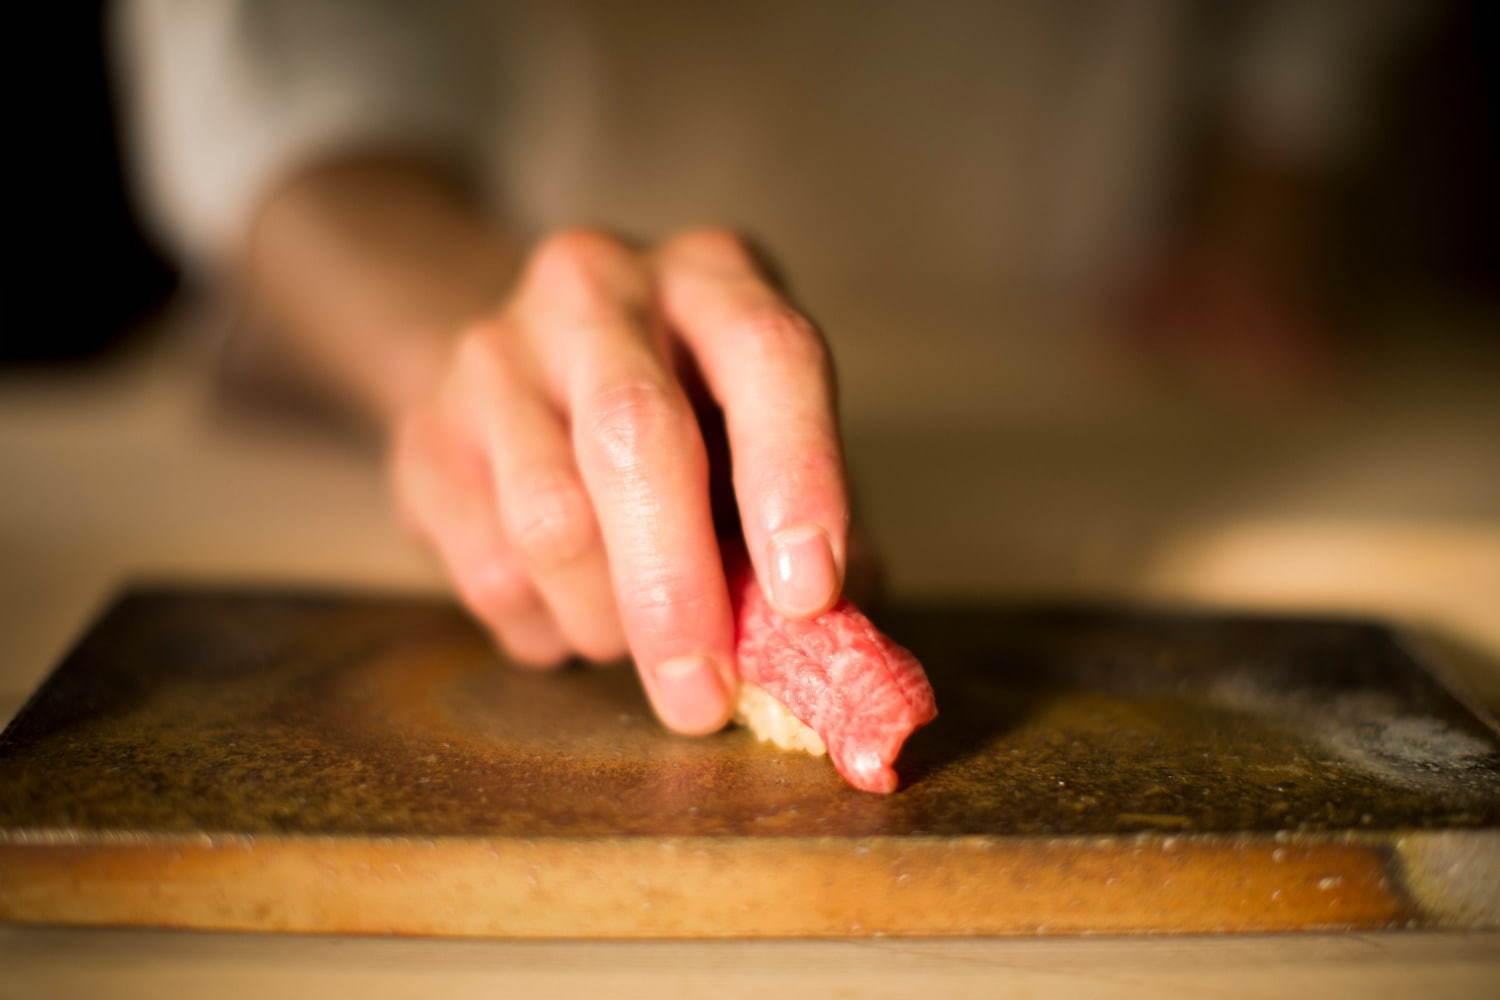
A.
pixel 272 715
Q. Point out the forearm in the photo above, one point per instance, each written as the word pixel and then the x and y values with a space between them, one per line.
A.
pixel 365 269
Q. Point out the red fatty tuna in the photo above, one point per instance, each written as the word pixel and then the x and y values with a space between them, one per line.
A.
pixel 861 693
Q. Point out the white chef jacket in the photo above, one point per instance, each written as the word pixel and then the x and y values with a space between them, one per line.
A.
pixel 912 165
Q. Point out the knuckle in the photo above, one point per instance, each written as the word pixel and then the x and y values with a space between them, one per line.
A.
pixel 811 474
pixel 625 418
pixel 580 263
pixel 494 589
pixel 807 463
pixel 579 241
pixel 780 334
pixel 480 351
pixel 668 604
pixel 551 522
pixel 717 250
pixel 709 241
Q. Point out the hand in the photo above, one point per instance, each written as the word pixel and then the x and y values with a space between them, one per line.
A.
pixel 561 474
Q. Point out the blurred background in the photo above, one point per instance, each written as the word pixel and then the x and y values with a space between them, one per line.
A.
pixel 1149 301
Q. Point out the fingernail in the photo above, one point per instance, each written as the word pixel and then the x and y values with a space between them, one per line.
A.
pixel 690 695
pixel 804 580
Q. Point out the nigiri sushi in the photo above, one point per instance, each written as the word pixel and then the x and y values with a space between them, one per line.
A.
pixel 832 682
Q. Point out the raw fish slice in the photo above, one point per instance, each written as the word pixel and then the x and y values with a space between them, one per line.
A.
pixel 859 692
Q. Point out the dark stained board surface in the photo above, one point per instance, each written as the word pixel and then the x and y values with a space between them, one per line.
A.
pixel 232 758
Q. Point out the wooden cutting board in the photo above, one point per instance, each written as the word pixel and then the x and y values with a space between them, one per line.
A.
pixel 336 763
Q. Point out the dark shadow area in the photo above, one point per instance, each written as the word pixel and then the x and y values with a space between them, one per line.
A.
pixel 82 271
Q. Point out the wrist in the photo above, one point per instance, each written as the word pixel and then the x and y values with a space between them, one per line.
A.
pixel 366 268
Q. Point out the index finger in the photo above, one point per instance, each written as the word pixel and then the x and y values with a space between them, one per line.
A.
pixel 769 370
pixel 644 466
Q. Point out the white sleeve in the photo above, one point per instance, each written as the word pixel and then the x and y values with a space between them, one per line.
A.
pixel 223 97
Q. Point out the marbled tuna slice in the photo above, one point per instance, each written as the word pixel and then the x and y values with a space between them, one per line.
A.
pixel 859 691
